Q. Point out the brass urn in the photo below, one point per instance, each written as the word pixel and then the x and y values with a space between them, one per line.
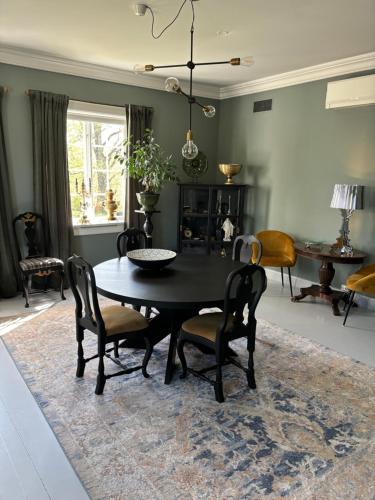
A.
pixel 229 170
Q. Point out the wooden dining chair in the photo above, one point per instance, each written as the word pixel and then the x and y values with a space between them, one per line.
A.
pixel 243 249
pixel 214 331
pixel 110 324
pixel 130 239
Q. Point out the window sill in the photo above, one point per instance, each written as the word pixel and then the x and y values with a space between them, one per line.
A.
pixel 98 228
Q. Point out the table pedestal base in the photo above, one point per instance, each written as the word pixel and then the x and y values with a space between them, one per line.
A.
pixel 331 296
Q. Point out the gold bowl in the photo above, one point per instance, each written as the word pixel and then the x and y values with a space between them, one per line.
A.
pixel 229 170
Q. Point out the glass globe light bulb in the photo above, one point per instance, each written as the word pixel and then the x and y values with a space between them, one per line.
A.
pixel 139 68
pixel 189 149
pixel 209 111
pixel 247 61
pixel 172 84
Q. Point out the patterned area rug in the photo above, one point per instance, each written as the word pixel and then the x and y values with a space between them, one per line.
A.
pixel 307 432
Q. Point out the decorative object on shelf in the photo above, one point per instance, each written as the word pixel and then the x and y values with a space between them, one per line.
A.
pixel 84 203
pixel 189 150
pixel 196 167
pixel 111 205
pixel 348 198
pixel 228 229
pixel 188 233
pixel 229 170
pixel 151 258
pixel 145 161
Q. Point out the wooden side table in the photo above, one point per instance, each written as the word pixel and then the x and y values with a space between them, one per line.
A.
pixel 328 256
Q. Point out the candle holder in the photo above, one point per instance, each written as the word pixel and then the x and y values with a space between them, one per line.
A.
pixel 111 205
pixel 84 193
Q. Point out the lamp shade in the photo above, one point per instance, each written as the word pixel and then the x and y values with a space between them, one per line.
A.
pixel 347 196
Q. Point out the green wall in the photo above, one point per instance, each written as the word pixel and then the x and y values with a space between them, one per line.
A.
pixel 293 155
pixel 170 123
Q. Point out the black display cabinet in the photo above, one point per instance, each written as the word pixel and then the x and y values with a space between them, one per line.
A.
pixel 203 209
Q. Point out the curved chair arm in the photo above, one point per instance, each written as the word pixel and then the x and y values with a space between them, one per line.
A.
pixel 365 285
pixel 243 248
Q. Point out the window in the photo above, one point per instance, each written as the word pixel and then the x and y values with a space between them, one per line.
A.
pixel 95 133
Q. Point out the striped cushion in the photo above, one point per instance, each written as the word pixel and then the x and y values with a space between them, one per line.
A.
pixel 36 263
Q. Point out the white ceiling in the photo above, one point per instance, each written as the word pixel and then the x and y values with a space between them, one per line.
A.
pixel 281 35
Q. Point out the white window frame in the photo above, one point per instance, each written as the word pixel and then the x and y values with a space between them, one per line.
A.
pixel 91 112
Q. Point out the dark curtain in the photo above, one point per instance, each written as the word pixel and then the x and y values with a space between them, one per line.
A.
pixel 138 119
pixel 8 252
pixel 51 177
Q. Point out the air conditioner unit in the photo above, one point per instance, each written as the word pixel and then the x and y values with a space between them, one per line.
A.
pixel 358 91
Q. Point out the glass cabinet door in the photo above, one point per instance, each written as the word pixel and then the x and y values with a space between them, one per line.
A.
pixel 195 201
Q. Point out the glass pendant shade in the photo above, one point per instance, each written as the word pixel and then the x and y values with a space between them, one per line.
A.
pixel 139 68
pixel 189 149
pixel 172 84
pixel 209 111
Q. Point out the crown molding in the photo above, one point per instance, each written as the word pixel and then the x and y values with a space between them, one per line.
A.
pixel 44 62
pixel 362 62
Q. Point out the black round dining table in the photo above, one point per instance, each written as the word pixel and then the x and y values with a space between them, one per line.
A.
pixel 179 291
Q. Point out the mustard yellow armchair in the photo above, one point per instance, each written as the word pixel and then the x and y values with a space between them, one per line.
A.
pixel 362 281
pixel 277 251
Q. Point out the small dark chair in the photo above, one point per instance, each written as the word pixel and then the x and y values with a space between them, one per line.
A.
pixel 243 249
pixel 32 251
pixel 130 239
pixel 216 330
pixel 111 323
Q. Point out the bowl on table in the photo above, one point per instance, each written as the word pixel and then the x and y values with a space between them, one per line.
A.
pixel 151 258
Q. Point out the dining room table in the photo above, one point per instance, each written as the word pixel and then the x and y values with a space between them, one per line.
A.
pixel 190 283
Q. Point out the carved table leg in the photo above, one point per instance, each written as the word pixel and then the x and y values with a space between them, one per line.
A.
pixel 324 290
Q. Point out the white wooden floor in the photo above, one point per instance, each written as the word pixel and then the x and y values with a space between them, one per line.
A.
pixel 32 463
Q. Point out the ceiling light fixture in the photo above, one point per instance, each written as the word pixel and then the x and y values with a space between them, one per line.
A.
pixel 189 150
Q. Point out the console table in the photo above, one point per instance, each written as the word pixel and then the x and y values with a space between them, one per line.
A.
pixel 328 256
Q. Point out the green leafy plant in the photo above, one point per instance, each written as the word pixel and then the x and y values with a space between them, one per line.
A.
pixel 145 161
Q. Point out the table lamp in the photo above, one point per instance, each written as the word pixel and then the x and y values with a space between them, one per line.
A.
pixel 347 197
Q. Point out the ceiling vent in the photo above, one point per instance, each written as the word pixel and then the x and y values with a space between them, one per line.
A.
pixel 352 92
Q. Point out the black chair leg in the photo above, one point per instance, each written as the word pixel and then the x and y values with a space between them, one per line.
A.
pixel 148 312
pixel 290 282
pixel 147 356
pixel 115 349
pixel 250 372
pixel 62 275
pixel 282 277
pixel 81 363
pixel 351 300
pixel 100 380
pixel 219 394
pixel 181 355
pixel 25 283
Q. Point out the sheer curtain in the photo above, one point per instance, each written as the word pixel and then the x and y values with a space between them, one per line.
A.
pixel 51 177
pixel 138 119
pixel 8 252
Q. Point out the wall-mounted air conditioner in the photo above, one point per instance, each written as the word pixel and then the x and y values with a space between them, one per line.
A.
pixel 358 91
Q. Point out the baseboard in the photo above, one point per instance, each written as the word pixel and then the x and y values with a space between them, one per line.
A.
pixel 297 282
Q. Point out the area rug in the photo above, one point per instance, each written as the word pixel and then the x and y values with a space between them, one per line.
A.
pixel 307 432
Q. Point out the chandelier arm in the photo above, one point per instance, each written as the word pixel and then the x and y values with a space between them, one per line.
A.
pixel 170 66
pixel 210 63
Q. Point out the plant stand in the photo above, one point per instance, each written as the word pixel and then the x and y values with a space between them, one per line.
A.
pixel 148 226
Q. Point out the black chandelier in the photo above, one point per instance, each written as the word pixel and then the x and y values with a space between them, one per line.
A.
pixel 189 150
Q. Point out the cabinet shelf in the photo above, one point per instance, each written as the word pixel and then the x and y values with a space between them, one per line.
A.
pixel 210 198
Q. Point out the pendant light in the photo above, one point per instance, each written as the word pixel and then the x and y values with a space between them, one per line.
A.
pixel 189 149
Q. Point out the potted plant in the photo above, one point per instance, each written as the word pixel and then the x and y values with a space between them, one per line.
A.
pixel 145 161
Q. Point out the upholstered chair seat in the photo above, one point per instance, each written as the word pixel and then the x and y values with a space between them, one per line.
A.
pixel 206 325
pixel 40 263
pixel 118 319
pixel 277 251
pixel 362 281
